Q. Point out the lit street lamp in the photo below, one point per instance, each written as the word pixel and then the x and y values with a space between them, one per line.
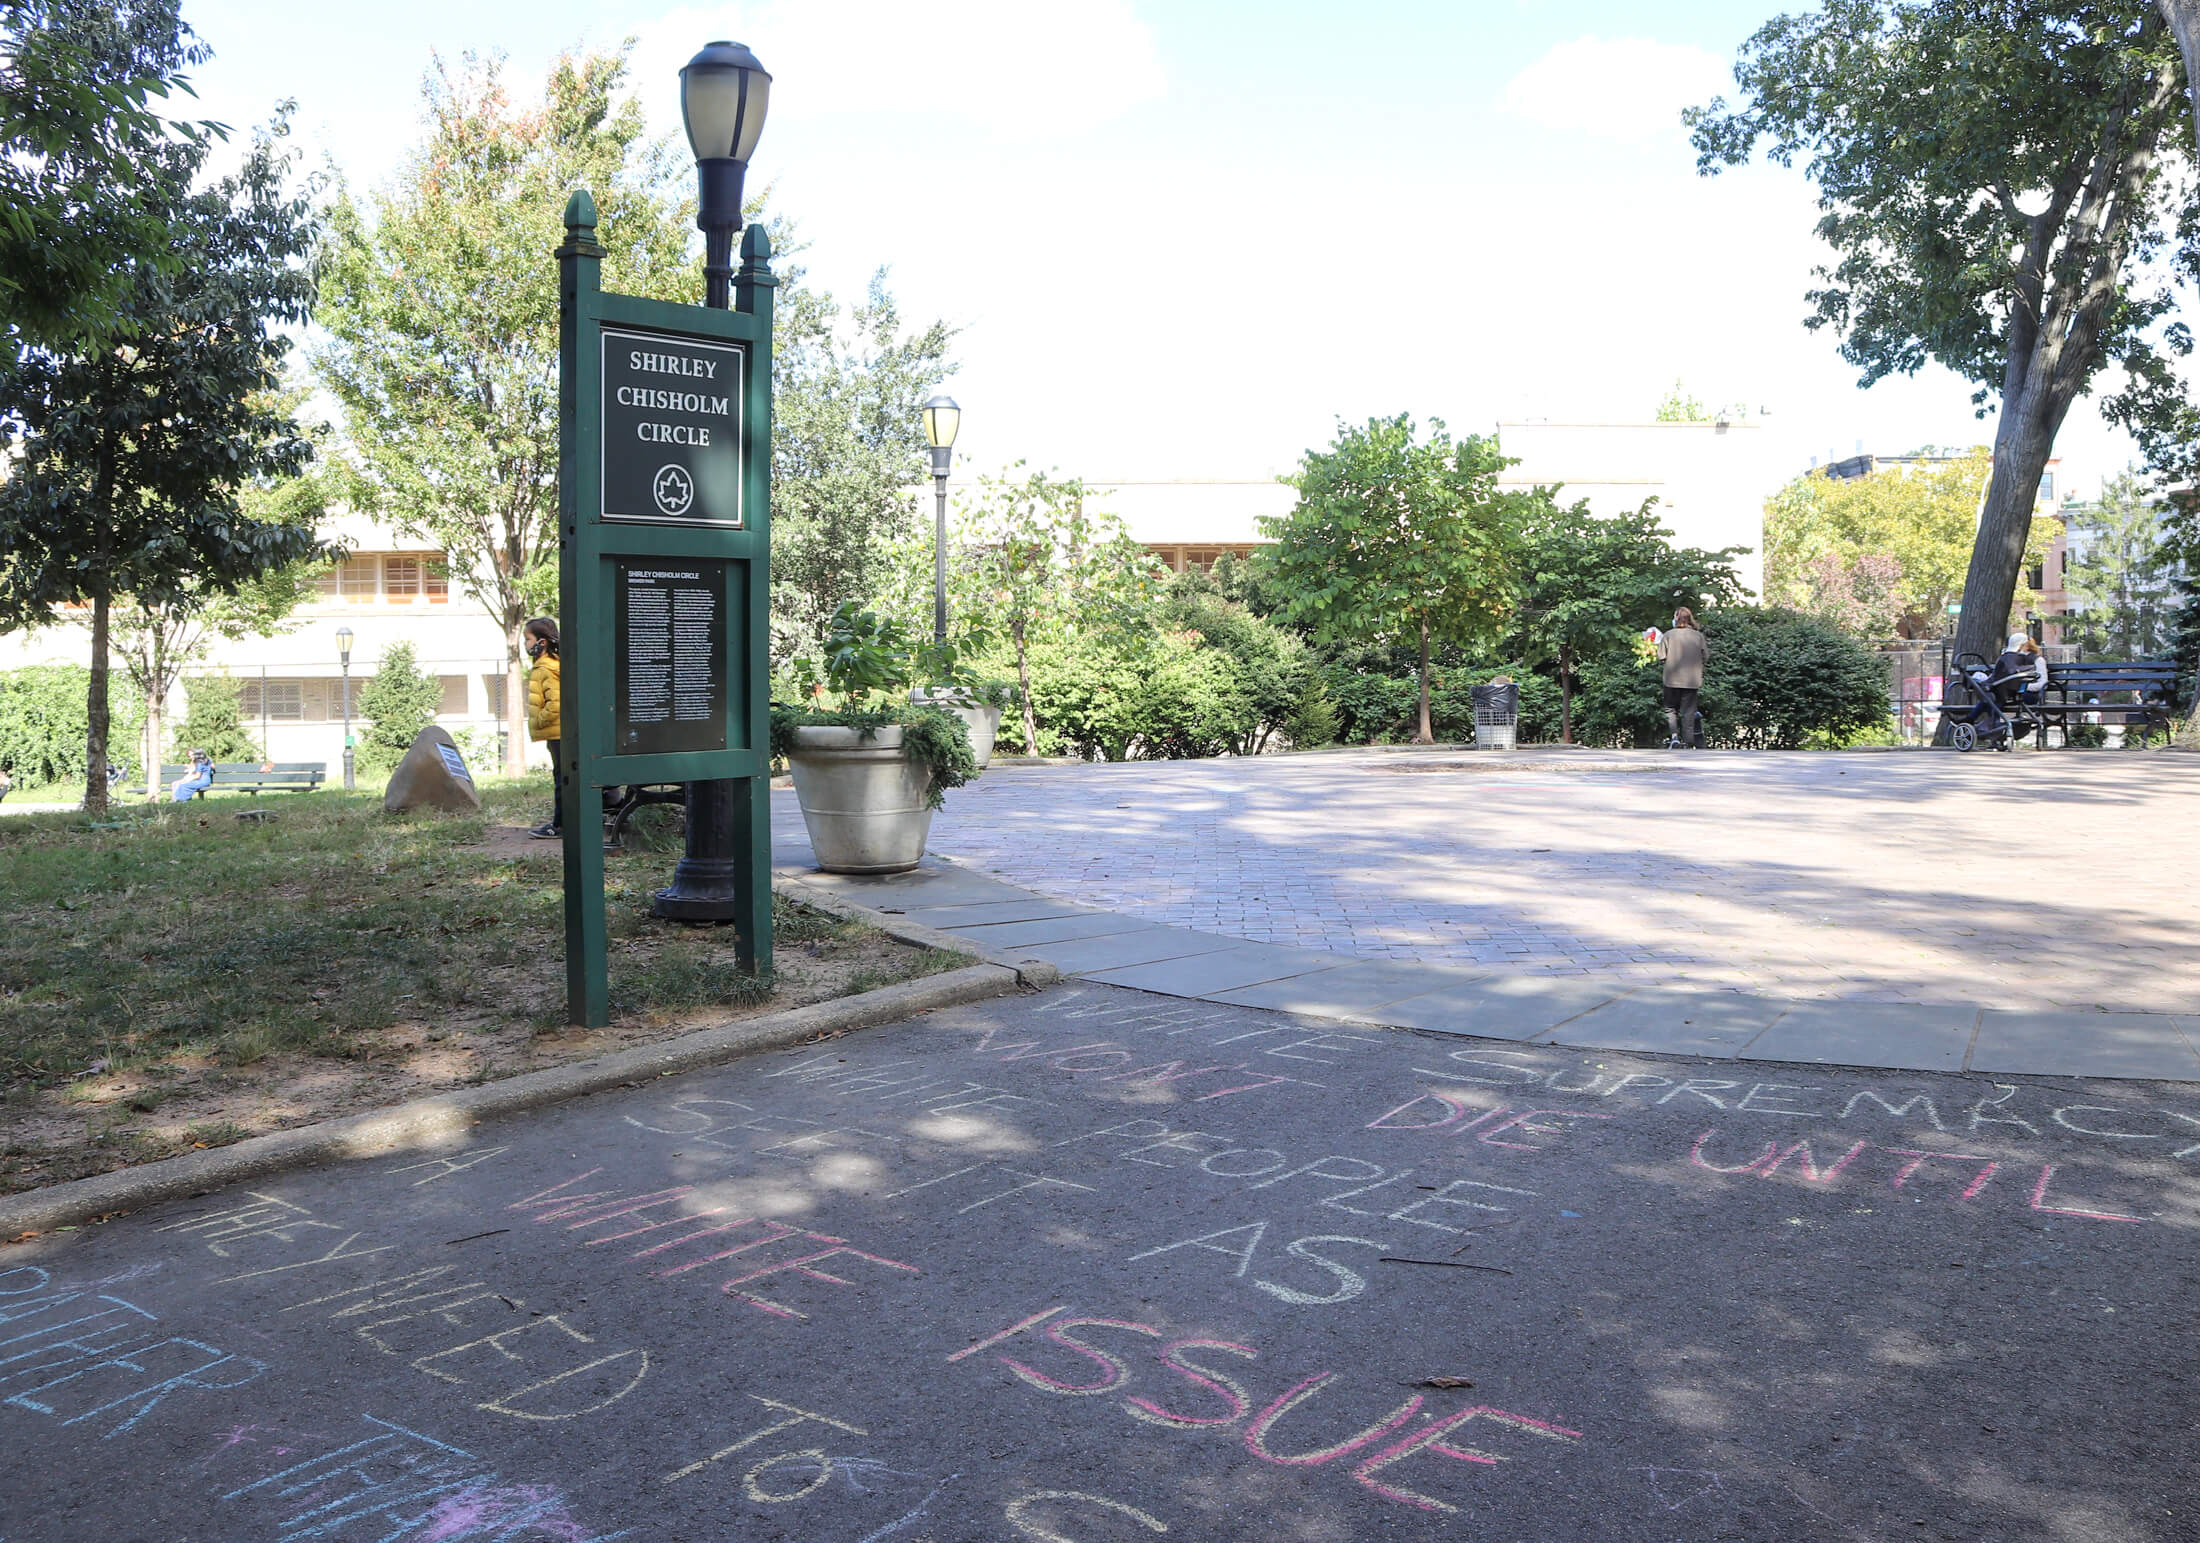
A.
pixel 343 654
pixel 724 93
pixel 941 419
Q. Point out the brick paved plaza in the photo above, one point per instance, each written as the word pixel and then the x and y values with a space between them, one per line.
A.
pixel 2029 880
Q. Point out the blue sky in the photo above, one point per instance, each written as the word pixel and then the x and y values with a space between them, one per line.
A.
pixel 1182 239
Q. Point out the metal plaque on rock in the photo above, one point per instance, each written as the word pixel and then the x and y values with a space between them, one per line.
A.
pixel 670 660
pixel 672 429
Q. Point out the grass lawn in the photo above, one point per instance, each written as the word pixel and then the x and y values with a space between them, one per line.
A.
pixel 192 978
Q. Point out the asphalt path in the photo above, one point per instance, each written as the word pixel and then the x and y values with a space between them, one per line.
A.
pixel 1097 1266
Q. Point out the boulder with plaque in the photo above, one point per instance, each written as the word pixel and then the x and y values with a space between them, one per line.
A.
pixel 433 775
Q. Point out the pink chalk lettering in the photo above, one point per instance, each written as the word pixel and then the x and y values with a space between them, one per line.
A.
pixel 1117 1372
pixel 1808 1165
pixel 1256 1434
pixel 2039 1203
pixel 1695 1155
pixel 1919 1159
pixel 1172 1355
pixel 1521 1123
pixel 1450 1109
pixel 1429 1438
pixel 1010 1332
pixel 801 1266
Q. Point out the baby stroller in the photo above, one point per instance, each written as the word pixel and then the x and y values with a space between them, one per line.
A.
pixel 1998 713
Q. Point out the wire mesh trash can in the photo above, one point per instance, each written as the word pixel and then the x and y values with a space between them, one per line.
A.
pixel 1496 715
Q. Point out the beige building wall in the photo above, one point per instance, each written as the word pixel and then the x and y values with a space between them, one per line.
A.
pixel 393 589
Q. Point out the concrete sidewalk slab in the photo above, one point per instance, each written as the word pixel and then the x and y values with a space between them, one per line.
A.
pixel 1117 950
pixel 2142 1045
pixel 1496 1007
pixel 1348 989
pixel 1051 929
pixel 1901 1035
pixel 1669 1022
pixel 987 912
pixel 1226 969
pixel 930 884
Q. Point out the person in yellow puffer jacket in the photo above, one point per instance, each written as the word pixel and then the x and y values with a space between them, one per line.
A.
pixel 546 717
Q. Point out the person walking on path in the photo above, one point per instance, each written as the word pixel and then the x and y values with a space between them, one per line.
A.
pixel 1683 651
pixel 546 717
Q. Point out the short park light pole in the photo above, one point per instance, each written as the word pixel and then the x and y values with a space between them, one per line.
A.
pixel 724 94
pixel 941 419
pixel 343 655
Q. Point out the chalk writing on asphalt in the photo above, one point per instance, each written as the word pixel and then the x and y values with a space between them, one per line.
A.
pixel 578 1212
pixel 84 1358
pixel 1083 1356
pixel 391 1484
pixel 530 1366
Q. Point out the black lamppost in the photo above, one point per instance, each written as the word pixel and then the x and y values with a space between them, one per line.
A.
pixel 343 655
pixel 941 419
pixel 724 94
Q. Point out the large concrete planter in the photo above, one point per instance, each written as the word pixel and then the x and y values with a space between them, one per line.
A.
pixel 862 799
pixel 983 722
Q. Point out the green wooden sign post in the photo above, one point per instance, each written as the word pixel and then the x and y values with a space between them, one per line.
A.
pixel 664 507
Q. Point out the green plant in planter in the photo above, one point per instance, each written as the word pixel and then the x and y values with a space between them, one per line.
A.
pixel 866 656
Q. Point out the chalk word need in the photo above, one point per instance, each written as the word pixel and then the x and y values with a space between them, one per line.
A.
pixel 561 1373
pixel 81 1357
pixel 631 1214
pixel 1949 1175
pixel 1200 1392
pixel 395 1485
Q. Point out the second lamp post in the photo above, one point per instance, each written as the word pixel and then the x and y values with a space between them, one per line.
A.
pixel 941 419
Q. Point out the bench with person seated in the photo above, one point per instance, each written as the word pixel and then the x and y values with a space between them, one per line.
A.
pixel 255 776
pixel 2076 692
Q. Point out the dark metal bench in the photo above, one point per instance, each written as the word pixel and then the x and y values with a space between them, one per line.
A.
pixel 636 796
pixel 2077 690
pixel 255 776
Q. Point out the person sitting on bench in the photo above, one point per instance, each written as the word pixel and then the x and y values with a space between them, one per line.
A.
pixel 197 780
pixel 2020 674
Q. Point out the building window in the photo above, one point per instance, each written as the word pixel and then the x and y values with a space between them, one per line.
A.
pixel 400 578
pixel 2035 577
pixel 493 688
pixel 2047 487
pixel 453 704
pixel 435 580
pixel 356 578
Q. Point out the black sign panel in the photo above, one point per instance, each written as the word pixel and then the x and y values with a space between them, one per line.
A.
pixel 670 663
pixel 672 429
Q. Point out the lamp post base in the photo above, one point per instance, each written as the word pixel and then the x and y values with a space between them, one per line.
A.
pixel 705 886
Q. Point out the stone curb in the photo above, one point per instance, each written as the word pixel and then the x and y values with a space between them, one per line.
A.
pixel 1030 971
pixel 442 1117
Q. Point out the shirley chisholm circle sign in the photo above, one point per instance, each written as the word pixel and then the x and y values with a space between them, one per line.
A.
pixel 672 442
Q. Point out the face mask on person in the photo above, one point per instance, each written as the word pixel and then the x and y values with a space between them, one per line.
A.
pixel 534 648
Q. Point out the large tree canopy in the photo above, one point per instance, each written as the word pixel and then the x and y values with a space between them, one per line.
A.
pixel 1398 538
pixel 1995 191
pixel 136 454
pixel 82 197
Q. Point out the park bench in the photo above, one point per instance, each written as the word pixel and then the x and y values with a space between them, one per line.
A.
pixel 256 776
pixel 2074 691
pixel 634 797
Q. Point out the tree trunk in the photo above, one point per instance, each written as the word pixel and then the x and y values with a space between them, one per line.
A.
pixel 1023 686
pixel 95 714
pixel 515 693
pixel 2183 17
pixel 1427 736
pixel 1565 695
pixel 2022 444
pixel 155 712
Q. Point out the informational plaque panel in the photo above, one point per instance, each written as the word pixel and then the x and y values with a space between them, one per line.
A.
pixel 672 444
pixel 669 675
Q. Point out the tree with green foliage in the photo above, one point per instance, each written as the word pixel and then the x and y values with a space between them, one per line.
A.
pixel 1590 586
pixel 1996 192
pixel 157 640
pixel 398 702
pixel 441 305
pixel 135 457
pixel 1033 557
pixel 2121 574
pixel 213 721
pixel 847 448
pixel 1921 518
pixel 45 727
pixel 84 195
pixel 1266 665
pixel 1398 537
